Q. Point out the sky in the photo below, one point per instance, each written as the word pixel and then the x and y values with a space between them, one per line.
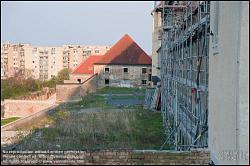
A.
pixel 91 23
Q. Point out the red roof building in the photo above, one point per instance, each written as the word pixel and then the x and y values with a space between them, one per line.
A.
pixel 125 52
pixel 87 67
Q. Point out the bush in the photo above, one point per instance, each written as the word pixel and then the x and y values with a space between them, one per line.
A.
pixel 14 87
pixel 62 75
pixel 50 83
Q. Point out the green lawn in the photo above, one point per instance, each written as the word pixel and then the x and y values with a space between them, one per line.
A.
pixel 120 90
pixel 136 129
pixel 72 129
pixel 6 121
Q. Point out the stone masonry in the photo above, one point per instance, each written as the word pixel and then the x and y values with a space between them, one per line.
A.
pixel 117 76
pixel 107 157
pixel 73 91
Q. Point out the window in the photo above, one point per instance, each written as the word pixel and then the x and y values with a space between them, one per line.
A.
pixel 143 82
pixel 79 81
pixel 125 70
pixel 149 77
pixel 96 51
pixel 106 70
pixel 144 70
pixel 106 81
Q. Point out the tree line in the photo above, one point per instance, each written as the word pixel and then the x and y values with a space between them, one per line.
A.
pixel 19 86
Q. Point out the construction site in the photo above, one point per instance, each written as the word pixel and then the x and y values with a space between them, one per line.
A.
pixel 186 104
pixel 196 53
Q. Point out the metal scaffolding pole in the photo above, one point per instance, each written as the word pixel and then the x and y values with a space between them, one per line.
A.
pixel 184 75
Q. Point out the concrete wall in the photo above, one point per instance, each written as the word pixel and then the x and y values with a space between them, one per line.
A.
pixel 229 83
pixel 24 108
pixel 116 74
pixel 67 92
pixel 109 157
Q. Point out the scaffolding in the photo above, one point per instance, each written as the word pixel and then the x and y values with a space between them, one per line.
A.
pixel 184 73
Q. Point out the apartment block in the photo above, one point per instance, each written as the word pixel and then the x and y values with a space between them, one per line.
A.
pixel 43 62
pixel 16 58
pixel 75 54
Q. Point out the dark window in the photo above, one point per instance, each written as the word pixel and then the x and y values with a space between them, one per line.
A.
pixel 143 82
pixel 144 70
pixel 149 77
pixel 106 70
pixel 79 80
pixel 125 70
pixel 106 81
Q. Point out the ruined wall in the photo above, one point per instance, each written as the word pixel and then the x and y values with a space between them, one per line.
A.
pixel 74 78
pixel 67 92
pixel 110 157
pixel 24 108
pixel 116 75
pixel 41 95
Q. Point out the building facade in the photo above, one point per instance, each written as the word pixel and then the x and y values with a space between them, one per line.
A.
pixel 123 75
pixel 156 42
pixel 124 65
pixel 228 118
pixel 43 62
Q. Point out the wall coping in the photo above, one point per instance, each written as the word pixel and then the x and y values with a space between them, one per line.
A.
pixel 21 120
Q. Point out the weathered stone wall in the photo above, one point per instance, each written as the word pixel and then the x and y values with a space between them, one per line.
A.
pixel 73 78
pixel 67 92
pixel 116 74
pixel 109 157
pixel 41 95
pixel 24 108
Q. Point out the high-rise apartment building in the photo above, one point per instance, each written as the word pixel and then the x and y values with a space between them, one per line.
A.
pixel 43 62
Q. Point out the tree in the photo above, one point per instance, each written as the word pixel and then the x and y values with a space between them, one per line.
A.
pixel 63 75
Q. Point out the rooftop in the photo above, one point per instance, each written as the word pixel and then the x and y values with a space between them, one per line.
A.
pixel 126 51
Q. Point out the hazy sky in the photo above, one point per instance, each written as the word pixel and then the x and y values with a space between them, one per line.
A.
pixel 93 23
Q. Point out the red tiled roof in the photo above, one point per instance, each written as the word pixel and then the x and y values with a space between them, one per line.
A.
pixel 87 66
pixel 125 51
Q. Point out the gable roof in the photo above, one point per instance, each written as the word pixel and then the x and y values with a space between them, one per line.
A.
pixel 87 66
pixel 125 51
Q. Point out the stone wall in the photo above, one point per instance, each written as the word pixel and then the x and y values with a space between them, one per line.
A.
pixel 116 75
pixel 45 94
pixel 73 78
pixel 24 108
pixel 108 157
pixel 68 92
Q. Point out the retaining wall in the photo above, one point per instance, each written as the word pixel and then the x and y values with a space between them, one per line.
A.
pixel 108 157
pixel 67 92
pixel 24 108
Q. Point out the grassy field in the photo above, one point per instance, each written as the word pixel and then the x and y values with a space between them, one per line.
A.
pixel 70 127
pixel 6 121
pixel 107 129
pixel 117 90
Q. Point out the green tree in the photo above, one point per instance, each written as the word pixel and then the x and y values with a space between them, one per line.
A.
pixel 50 83
pixel 63 75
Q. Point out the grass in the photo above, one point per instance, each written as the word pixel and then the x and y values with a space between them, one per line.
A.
pixel 89 101
pixel 127 97
pixel 107 129
pixel 120 90
pixel 71 129
pixel 6 121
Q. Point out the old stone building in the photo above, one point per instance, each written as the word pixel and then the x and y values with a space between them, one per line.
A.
pixel 84 71
pixel 124 65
